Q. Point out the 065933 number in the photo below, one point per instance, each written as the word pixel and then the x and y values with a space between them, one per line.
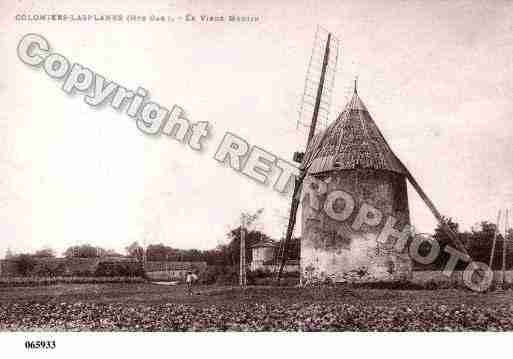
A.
pixel 40 344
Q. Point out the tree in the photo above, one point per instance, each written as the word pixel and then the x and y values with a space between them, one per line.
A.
pixel 135 251
pixel 45 253
pixel 443 240
pixel 232 250
pixel 481 242
pixel 478 243
pixel 112 253
pixel 84 251
pixel 440 235
pixel 250 218
pixel 216 256
pixel 25 263
pixel 9 254
pixel 192 255
pixel 161 252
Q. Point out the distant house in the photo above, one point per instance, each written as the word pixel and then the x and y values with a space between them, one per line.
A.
pixel 263 252
pixel 264 257
pixel 166 271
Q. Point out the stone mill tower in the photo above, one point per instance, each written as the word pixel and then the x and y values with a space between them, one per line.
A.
pixel 352 156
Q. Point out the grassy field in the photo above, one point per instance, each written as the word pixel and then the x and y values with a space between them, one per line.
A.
pixel 151 307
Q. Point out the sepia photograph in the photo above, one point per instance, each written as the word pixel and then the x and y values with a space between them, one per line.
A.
pixel 255 166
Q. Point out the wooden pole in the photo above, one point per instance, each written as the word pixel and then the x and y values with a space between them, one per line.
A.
pixel 144 256
pixel 242 274
pixel 494 240
pixel 504 242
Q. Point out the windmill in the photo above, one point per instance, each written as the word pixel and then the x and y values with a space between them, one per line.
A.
pixel 352 146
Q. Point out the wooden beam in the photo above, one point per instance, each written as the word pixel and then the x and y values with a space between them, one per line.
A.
pixel 448 231
pixel 494 240
pixel 504 243
pixel 242 260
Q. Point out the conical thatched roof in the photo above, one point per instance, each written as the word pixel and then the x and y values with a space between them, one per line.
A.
pixel 352 141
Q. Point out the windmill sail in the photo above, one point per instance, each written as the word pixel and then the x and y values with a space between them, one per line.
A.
pixel 323 40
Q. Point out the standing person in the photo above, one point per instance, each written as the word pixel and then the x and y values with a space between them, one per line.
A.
pixel 190 279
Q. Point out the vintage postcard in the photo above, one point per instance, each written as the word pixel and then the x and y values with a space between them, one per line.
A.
pixel 254 166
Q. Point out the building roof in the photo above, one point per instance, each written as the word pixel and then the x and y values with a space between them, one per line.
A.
pixel 352 141
pixel 152 266
pixel 265 243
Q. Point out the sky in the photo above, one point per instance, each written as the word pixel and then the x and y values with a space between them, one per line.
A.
pixel 437 78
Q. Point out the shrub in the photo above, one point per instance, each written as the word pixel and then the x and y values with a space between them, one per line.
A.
pixel 40 281
pixel 60 270
pixel 25 263
pixel 44 271
pixel 220 275
pixel 294 274
pixel 260 273
pixel 431 285
pixel 399 284
pixel 229 275
pixel 83 273
pixel 211 274
pixel 118 269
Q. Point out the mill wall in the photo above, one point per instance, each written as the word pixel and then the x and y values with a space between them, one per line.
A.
pixel 334 250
